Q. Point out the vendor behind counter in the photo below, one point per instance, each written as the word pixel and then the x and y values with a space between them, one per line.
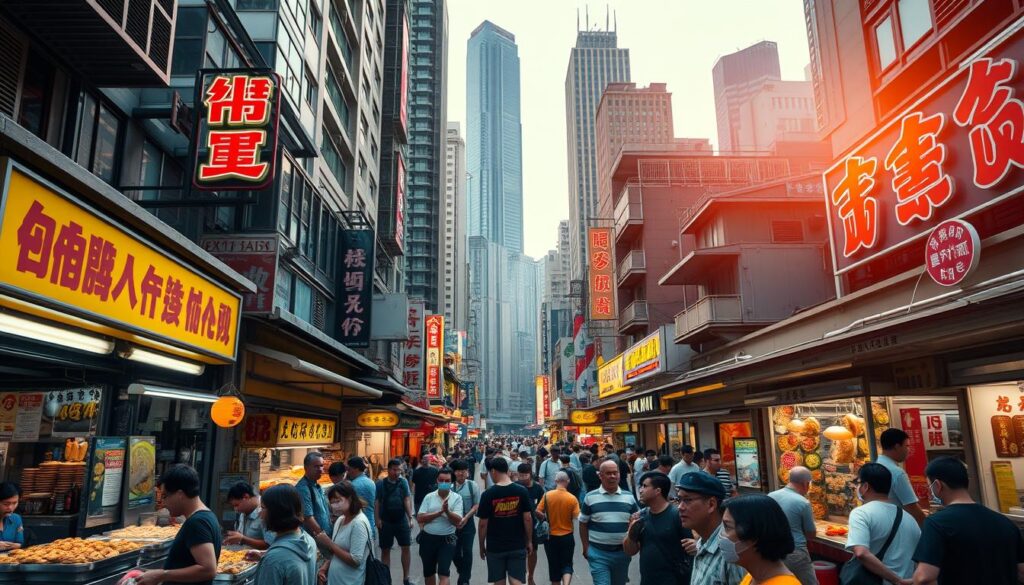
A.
pixel 12 531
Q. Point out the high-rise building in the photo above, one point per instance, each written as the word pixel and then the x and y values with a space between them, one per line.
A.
pixel 557 309
pixel 736 77
pixel 595 62
pixel 780 111
pixel 424 226
pixel 505 290
pixel 631 115
pixel 456 277
pixel 494 149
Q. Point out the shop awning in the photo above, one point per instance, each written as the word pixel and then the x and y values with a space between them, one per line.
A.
pixel 313 370
pixel 387 383
pixel 422 412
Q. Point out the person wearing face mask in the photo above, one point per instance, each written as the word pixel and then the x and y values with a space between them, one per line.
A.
pixel 700 500
pixel 349 548
pixel 439 516
pixel 880 520
pixel 965 542
pixel 756 536
pixel 291 559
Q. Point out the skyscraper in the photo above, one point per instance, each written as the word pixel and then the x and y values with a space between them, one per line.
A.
pixel 494 146
pixel 394 131
pixel 736 77
pixel 595 62
pixel 456 279
pixel 425 174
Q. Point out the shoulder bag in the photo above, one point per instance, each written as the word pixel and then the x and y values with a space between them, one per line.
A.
pixel 377 573
pixel 542 528
pixel 854 573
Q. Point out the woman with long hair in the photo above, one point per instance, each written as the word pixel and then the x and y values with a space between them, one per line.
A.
pixel 352 538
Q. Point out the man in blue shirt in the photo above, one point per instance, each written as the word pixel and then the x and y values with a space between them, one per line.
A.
pixel 314 503
pixel 363 485
pixel 895 449
pixel 12 533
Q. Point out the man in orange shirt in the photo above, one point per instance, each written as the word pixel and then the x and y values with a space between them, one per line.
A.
pixel 560 508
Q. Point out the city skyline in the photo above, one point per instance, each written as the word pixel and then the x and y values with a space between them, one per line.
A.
pixel 695 32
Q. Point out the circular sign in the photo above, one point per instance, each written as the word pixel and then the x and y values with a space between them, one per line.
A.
pixel 952 252
pixel 377 419
pixel 228 411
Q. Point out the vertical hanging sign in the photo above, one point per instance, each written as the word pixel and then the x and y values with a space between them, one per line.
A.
pixel 602 268
pixel 434 330
pixel 355 299
pixel 237 116
pixel 412 362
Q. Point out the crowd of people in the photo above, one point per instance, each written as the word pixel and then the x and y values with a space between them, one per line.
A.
pixel 682 518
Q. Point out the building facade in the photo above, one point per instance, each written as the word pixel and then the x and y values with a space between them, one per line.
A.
pixel 425 178
pixel 736 77
pixel 779 112
pixel 494 142
pixel 456 268
pixel 594 62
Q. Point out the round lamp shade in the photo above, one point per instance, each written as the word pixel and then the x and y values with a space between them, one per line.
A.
pixel 838 433
pixel 228 411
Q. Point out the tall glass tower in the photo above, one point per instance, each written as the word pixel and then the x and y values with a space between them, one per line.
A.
pixel 595 62
pixel 494 144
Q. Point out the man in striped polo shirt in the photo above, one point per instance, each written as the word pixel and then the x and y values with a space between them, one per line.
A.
pixel 604 520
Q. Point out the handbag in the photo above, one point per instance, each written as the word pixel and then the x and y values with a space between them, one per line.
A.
pixel 377 573
pixel 542 528
pixel 854 573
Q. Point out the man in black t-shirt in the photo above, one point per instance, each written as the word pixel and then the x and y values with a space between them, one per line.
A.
pixel 193 554
pixel 506 526
pixel 655 533
pixel 965 542
pixel 424 481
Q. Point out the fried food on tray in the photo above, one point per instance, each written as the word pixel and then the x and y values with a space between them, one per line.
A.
pixel 70 551
pixel 157 532
pixel 233 562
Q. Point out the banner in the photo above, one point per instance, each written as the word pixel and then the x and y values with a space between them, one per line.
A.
pixel 412 361
pixel 434 328
pixel 254 257
pixel 357 280
pixel 602 274
pixel 917 459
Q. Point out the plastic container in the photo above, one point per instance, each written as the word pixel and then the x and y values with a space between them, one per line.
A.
pixel 826 572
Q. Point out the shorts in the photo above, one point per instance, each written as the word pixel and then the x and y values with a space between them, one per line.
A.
pixel 511 563
pixel 437 552
pixel 560 551
pixel 390 531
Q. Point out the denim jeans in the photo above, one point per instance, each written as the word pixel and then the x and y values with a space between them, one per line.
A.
pixel 464 552
pixel 608 567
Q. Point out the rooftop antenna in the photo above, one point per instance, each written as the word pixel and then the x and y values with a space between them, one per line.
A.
pixel 615 21
pixel 606 10
pixel 577 19
pixel 588 16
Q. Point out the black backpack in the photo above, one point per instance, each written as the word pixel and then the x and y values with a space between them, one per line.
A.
pixel 392 504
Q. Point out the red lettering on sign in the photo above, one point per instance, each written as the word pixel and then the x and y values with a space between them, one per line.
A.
pixel 856 207
pixel 234 153
pixel 127 280
pixel 99 267
pixel 35 241
pixel 996 119
pixel 173 294
pixel 916 162
pixel 151 287
pixel 239 100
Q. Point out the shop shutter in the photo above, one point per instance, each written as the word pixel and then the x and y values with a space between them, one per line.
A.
pixel 787 231
pixel 13 53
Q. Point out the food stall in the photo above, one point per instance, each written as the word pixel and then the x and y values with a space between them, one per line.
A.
pixel 273 446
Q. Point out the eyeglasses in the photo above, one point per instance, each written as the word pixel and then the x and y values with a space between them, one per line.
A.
pixel 687 501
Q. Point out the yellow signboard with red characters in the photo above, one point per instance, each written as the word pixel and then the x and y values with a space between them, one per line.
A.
pixel 57 250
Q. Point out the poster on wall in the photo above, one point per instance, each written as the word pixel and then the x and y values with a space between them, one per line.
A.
pixel 998 417
pixel 727 432
pixel 8 412
pixel 748 467
pixel 917 458
pixel 29 417
pixel 73 412
pixel 141 472
pixel 106 480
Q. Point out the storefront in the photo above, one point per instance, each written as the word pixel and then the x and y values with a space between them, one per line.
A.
pixel 116 336
pixel 272 446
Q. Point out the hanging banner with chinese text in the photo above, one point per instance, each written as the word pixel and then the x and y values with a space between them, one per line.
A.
pixel 434 332
pixel 237 114
pixel 254 257
pixel 917 458
pixel 412 361
pixel 357 287
pixel 60 252
pixel 953 153
pixel 602 274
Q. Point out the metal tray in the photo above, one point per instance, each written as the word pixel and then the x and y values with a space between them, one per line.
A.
pixel 224 578
pixel 78 573
pixel 9 573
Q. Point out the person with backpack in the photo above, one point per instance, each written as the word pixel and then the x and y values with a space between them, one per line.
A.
pixel 560 509
pixel 393 512
pixel 882 537
pixel 465 532
pixel 575 486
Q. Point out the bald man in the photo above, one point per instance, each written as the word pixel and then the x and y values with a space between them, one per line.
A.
pixel 793 501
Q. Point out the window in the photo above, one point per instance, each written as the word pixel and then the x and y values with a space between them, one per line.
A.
pixel 311 89
pixel 36 94
pixel 915 20
pixel 316 21
pixel 253 5
pixel 96 139
pixel 886 43
pixel 189 33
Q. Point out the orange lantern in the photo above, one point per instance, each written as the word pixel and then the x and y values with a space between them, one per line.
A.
pixel 227 412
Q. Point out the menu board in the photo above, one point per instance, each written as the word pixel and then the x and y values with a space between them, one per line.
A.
pixel 748 468
pixel 29 417
pixel 998 413
pixel 106 478
pixel 8 412
pixel 1006 485
pixel 141 472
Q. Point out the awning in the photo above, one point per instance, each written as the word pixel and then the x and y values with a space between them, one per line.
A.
pixel 387 383
pixel 311 369
pixel 422 412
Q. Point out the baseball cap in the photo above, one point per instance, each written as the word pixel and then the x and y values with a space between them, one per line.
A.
pixel 699 482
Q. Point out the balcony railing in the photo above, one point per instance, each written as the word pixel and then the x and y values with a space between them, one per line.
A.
pixel 629 211
pixel 709 310
pixel 634 314
pixel 634 263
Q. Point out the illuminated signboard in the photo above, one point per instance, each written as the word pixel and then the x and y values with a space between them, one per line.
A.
pixel 609 378
pixel 235 146
pixel 954 153
pixel 62 252
pixel 357 282
pixel 602 274
pixel 377 419
pixel 643 359
pixel 412 363
pixel 434 331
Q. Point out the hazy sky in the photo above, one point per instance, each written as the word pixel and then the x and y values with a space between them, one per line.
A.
pixel 671 41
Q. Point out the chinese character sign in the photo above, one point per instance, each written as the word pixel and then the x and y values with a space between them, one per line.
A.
pixel 412 360
pixel 57 249
pixel 539 399
pixel 958 150
pixel 602 273
pixel 399 235
pixel 936 431
pixel 951 252
pixel 434 333
pixel 304 431
pixel 356 295
pixel 254 257
pixel 236 144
